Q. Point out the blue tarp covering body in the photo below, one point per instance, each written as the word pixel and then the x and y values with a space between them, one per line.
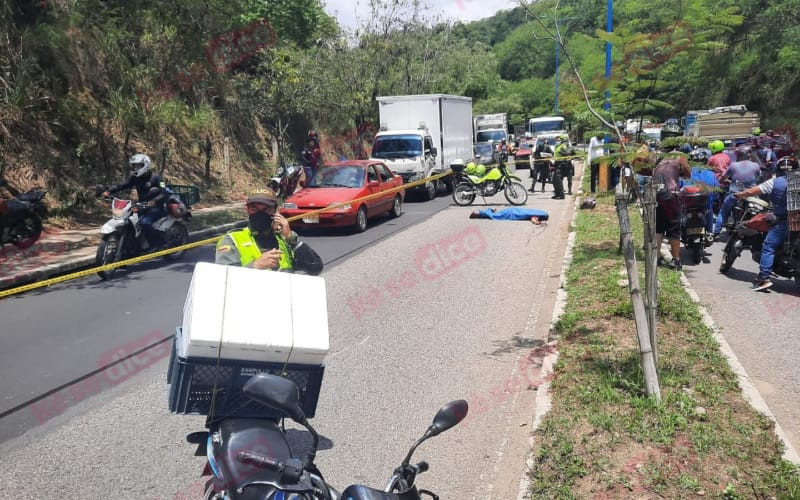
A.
pixel 513 213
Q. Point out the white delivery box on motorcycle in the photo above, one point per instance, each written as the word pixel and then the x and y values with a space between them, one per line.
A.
pixel 250 314
pixel 238 322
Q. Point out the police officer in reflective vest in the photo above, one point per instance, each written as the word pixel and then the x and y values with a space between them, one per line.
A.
pixel 267 242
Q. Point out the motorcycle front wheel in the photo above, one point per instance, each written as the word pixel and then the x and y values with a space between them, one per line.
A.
pixel 176 236
pixel 26 231
pixel 515 193
pixel 464 194
pixel 106 254
pixel 729 254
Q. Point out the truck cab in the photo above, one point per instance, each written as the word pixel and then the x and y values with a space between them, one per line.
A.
pixel 410 154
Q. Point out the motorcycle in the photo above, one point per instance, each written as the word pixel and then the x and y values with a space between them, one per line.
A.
pixel 122 236
pixel 694 210
pixel 286 180
pixel 21 218
pixel 750 234
pixel 487 182
pixel 252 459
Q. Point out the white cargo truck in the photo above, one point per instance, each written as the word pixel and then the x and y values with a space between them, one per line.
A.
pixel 555 124
pixel 489 131
pixel 420 135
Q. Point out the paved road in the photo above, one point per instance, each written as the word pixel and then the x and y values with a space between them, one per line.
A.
pixel 430 338
pixel 53 336
pixel 761 328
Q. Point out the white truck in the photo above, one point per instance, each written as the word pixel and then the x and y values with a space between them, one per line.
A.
pixel 489 130
pixel 421 135
pixel 547 125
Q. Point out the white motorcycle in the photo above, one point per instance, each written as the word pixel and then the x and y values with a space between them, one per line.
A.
pixel 123 236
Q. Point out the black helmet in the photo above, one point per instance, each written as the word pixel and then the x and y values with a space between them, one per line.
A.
pixel 685 148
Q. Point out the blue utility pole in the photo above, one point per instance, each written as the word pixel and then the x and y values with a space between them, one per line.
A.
pixel 609 17
pixel 556 100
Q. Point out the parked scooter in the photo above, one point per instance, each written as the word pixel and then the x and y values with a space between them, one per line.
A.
pixel 750 234
pixel 694 211
pixel 21 217
pixel 252 459
pixel 286 180
pixel 478 180
pixel 122 237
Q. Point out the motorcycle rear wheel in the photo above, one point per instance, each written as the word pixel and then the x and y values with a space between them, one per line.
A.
pixel 106 254
pixel 176 236
pixel 697 253
pixel 729 254
pixel 515 193
pixel 464 194
pixel 26 231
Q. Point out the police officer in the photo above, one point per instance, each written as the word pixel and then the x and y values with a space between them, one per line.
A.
pixel 564 168
pixel 267 242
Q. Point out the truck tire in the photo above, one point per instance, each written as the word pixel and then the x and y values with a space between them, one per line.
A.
pixel 430 190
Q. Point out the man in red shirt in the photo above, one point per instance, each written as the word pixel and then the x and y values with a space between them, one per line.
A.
pixel 719 161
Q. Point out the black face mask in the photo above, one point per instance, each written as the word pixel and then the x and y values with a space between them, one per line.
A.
pixel 261 222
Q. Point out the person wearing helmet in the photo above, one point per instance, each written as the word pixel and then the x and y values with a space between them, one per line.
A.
pixel 777 189
pixel 742 175
pixel 312 157
pixel 150 189
pixel 267 242
pixel 719 161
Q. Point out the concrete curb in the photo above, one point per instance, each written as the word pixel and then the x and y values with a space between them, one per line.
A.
pixel 543 396
pixel 750 393
pixel 85 261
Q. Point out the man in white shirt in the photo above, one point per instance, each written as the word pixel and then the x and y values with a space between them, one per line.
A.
pixel 595 151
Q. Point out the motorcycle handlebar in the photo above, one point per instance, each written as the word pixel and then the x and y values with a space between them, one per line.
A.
pixel 288 472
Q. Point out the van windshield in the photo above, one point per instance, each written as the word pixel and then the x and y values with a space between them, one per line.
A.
pixel 397 146
pixel 491 135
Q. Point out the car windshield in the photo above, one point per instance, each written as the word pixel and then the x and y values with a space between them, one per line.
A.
pixel 491 135
pixel 550 141
pixel 397 146
pixel 350 176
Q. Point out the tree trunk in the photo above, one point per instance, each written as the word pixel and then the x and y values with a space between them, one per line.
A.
pixel 208 161
pixel 639 313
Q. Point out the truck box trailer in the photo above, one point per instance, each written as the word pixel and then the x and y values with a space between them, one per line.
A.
pixel 726 122
pixel 421 135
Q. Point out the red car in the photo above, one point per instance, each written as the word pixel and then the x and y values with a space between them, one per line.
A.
pixel 345 181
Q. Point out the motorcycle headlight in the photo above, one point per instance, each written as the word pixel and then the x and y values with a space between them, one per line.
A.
pixel 118 213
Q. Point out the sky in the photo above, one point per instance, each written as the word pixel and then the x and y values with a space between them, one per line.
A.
pixel 464 10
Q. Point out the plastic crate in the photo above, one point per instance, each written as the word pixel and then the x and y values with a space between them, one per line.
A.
pixel 191 385
pixel 189 195
pixel 793 181
pixel 793 201
pixel 794 220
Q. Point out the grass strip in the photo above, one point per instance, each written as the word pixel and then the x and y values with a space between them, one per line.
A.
pixel 603 437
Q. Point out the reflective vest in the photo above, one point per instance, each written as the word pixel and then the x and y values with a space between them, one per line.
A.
pixel 560 150
pixel 249 251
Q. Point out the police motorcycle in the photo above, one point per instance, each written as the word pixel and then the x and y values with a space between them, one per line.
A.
pixel 475 179
pixel 122 236
pixel 753 224
pixel 252 458
pixel 21 217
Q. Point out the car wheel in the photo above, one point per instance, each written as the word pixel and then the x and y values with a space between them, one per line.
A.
pixel 397 207
pixel 361 220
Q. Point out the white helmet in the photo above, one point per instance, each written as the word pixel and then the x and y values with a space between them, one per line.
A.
pixel 140 165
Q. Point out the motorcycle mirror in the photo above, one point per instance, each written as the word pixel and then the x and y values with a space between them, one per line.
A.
pixel 277 393
pixel 448 416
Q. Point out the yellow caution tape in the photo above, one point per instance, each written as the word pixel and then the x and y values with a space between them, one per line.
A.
pixel 207 241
